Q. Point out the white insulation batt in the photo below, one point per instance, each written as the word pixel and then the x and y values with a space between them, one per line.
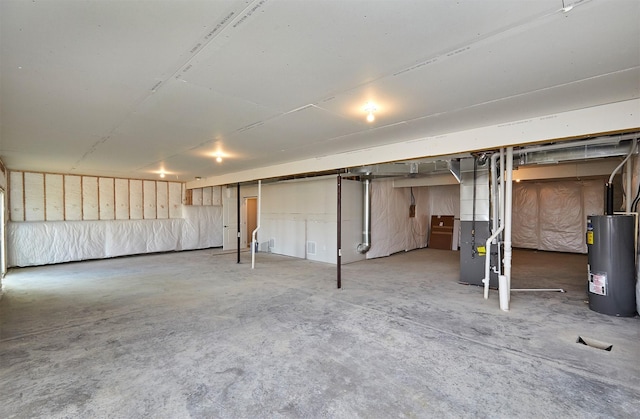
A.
pixel 46 242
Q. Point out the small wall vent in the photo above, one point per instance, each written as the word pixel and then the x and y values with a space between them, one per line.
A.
pixel 311 248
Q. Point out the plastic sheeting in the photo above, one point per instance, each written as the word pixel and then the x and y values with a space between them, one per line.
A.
pixel 552 215
pixel 41 243
pixel 546 215
pixel 392 230
pixel 202 227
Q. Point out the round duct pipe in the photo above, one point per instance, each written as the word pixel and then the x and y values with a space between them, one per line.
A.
pixel 366 219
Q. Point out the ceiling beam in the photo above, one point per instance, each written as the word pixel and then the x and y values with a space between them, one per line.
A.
pixel 597 120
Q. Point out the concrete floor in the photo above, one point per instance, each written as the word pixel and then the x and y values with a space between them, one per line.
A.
pixel 193 334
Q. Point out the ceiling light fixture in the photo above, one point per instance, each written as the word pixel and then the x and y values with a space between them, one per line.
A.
pixel 219 157
pixel 370 108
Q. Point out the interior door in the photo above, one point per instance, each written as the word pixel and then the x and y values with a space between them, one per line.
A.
pixel 230 218
pixel 252 217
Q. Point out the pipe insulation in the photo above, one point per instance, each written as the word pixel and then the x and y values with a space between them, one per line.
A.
pixel 366 219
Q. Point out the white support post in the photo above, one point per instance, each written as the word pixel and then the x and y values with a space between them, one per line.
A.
pixel 505 296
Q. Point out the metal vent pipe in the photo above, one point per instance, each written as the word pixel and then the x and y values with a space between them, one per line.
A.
pixel 366 219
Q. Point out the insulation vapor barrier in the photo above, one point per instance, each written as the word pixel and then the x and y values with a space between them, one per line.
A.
pixel 392 230
pixel 552 216
pixel 41 243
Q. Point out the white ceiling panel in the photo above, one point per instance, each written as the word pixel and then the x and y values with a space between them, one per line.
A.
pixel 505 66
pixel 128 88
pixel 613 88
pixel 292 53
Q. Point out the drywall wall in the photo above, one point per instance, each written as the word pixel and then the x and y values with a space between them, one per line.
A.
pixel 552 215
pixel 392 229
pixel 299 218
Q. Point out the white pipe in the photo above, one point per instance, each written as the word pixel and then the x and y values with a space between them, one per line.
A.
pixel 508 204
pixel 632 149
pixel 628 192
pixel 503 186
pixel 504 293
pixel 537 289
pixel 496 230
pixel 255 232
pixel 494 180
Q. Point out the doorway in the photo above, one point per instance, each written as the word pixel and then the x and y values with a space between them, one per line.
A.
pixel 252 217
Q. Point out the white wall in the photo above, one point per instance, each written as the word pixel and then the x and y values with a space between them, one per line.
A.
pixel 300 216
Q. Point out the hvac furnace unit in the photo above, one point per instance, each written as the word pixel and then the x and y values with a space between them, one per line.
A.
pixel 475 223
pixel 611 268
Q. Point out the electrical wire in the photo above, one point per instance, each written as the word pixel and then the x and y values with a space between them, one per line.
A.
pixel 636 200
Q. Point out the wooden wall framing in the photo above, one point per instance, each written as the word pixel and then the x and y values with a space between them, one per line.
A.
pixel 36 196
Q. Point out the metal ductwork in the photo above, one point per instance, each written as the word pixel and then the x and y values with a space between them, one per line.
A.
pixel 572 151
pixel 366 219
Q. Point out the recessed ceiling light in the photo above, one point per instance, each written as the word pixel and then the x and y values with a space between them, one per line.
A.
pixel 198 178
pixel 370 108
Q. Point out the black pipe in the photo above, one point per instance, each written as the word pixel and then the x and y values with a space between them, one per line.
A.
pixel 609 199
pixel 339 233
pixel 238 216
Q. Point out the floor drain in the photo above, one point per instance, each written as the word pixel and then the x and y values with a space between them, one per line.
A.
pixel 594 343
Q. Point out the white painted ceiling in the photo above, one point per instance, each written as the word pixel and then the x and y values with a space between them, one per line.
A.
pixel 130 88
